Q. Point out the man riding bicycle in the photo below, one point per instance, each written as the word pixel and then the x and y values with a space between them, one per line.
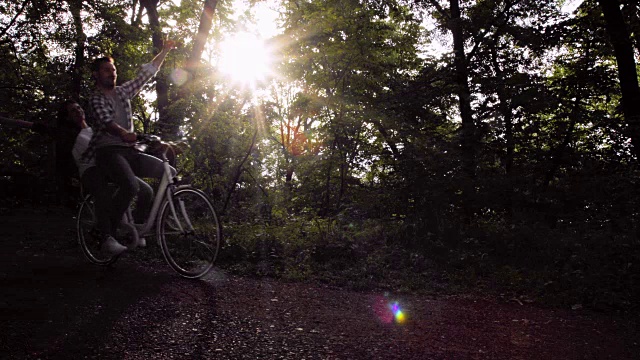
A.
pixel 93 179
pixel 113 140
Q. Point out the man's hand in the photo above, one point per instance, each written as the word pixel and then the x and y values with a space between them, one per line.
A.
pixel 117 130
pixel 128 137
pixel 168 44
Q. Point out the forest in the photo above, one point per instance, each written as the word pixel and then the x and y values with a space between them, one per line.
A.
pixel 485 146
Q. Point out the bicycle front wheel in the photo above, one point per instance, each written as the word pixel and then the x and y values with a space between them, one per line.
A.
pixel 85 225
pixel 190 238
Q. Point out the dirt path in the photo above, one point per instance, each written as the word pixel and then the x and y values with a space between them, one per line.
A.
pixel 55 305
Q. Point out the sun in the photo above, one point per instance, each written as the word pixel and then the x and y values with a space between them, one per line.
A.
pixel 245 59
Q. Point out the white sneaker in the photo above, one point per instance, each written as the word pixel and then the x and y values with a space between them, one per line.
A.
pixel 142 242
pixel 112 247
pixel 133 244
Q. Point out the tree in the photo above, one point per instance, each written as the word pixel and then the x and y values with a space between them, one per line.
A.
pixel 169 122
pixel 79 54
pixel 346 53
pixel 454 22
pixel 624 52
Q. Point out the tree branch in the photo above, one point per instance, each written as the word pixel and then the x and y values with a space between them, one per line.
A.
pixel 13 21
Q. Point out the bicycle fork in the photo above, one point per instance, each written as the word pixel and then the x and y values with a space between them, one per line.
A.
pixel 170 190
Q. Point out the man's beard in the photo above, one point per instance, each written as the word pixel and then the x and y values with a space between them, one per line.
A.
pixel 109 84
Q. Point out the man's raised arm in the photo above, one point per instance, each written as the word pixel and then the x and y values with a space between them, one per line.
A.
pixel 159 59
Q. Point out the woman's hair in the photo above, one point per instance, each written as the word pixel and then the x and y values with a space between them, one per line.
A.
pixel 63 114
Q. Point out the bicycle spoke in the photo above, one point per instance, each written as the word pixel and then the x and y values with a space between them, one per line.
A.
pixel 85 224
pixel 192 251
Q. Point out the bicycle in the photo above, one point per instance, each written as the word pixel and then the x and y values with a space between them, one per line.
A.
pixel 187 226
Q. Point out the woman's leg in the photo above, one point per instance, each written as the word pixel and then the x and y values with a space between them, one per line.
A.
pixel 94 182
pixel 114 162
pixel 143 204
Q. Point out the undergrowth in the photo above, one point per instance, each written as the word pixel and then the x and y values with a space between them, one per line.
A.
pixel 562 266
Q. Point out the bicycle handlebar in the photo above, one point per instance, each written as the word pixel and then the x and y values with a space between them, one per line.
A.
pixel 152 143
pixel 148 139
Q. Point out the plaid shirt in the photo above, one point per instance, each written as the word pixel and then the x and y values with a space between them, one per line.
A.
pixel 102 110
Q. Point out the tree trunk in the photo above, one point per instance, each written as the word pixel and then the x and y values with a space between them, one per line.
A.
pixel 206 22
pixel 464 94
pixel 326 203
pixel 467 130
pixel 80 37
pixel 192 64
pixel 167 127
pixel 238 173
pixel 623 49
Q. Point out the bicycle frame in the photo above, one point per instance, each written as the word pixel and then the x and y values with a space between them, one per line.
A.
pixel 187 227
pixel 164 191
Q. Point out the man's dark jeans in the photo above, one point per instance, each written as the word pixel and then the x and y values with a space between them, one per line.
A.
pixel 123 166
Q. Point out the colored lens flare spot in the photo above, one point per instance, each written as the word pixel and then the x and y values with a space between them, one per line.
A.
pixel 398 316
pixel 179 77
pixel 388 311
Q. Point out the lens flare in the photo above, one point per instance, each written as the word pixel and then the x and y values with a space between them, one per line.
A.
pixel 179 77
pixel 398 315
pixel 389 311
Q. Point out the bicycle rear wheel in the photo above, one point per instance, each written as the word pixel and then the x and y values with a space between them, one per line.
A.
pixel 85 224
pixel 190 241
